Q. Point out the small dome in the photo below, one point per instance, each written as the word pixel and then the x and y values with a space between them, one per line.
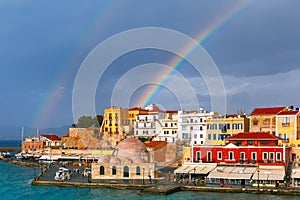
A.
pixel 131 149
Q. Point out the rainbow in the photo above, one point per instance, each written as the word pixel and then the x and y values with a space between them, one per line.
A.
pixel 201 38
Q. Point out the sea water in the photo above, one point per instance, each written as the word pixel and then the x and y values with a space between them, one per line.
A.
pixel 15 183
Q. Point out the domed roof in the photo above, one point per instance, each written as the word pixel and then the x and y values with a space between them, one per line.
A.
pixel 131 149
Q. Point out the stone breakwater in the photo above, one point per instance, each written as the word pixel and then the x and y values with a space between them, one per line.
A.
pixel 21 163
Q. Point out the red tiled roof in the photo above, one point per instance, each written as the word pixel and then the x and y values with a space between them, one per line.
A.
pixel 289 112
pixel 267 111
pixel 254 136
pixel 172 111
pixel 51 137
pixel 138 108
pixel 156 144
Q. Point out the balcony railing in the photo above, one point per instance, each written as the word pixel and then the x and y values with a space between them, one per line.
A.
pixel 285 124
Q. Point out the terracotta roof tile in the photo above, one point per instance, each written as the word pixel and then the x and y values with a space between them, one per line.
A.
pixel 254 136
pixel 267 111
pixel 51 137
pixel 289 112
pixel 156 144
pixel 138 108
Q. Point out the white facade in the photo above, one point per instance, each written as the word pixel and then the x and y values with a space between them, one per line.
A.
pixel 167 128
pixel 145 125
pixel 192 126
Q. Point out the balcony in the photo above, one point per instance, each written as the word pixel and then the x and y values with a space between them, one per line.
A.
pixel 285 124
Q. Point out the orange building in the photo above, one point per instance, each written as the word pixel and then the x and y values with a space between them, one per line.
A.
pixel 264 119
pixel 32 144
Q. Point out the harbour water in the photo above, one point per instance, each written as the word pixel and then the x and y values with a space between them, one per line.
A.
pixel 15 183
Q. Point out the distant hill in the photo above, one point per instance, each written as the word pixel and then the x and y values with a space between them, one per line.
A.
pixel 15 132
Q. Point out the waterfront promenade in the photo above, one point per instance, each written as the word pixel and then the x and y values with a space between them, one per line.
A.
pixel 163 186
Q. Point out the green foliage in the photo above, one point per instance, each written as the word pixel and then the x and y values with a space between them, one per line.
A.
pixel 88 121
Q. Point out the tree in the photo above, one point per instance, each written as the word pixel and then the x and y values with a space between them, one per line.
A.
pixel 88 121
pixel 99 118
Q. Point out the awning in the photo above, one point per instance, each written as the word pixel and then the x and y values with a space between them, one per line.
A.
pixel 231 172
pixel 269 173
pixel 195 169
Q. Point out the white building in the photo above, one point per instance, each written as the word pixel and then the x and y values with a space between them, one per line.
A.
pixel 167 128
pixel 145 125
pixel 192 126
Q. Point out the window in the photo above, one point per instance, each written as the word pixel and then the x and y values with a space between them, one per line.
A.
pixel 201 128
pixel 255 122
pixel 198 155
pixel 228 127
pixel 266 121
pixel 209 156
pixel 219 155
pixel 201 135
pixel 191 128
pixel 253 155
pixel 215 136
pixel 195 136
pixel 242 156
pixel 126 171
pixel 278 156
pixel 209 136
pixel 166 124
pixel 240 126
pixel 101 170
pixel 234 126
pixel 114 170
pixel 272 156
pixel 231 155
pixel 138 170
pixel 265 155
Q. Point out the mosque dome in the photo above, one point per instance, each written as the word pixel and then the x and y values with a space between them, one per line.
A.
pixel 131 149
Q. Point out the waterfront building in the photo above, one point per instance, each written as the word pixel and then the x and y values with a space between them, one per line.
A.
pixel 192 126
pixel 116 123
pixel 51 141
pixel 288 127
pixel 166 128
pixel 32 145
pixel 264 119
pixel 220 127
pixel 129 163
pixel 259 149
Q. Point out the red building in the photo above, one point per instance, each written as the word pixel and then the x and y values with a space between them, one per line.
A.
pixel 245 148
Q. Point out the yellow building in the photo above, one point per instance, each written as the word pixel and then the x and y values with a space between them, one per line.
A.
pixel 288 127
pixel 264 119
pixel 133 112
pixel 116 122
pixel 222 126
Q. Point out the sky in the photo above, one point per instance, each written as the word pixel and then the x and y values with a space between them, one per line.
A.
pixel 43 45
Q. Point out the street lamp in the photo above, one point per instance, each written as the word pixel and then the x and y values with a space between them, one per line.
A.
pixel 143 182
pixel 258 179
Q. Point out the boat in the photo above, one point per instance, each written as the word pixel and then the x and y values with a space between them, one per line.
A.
pixel 62 174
